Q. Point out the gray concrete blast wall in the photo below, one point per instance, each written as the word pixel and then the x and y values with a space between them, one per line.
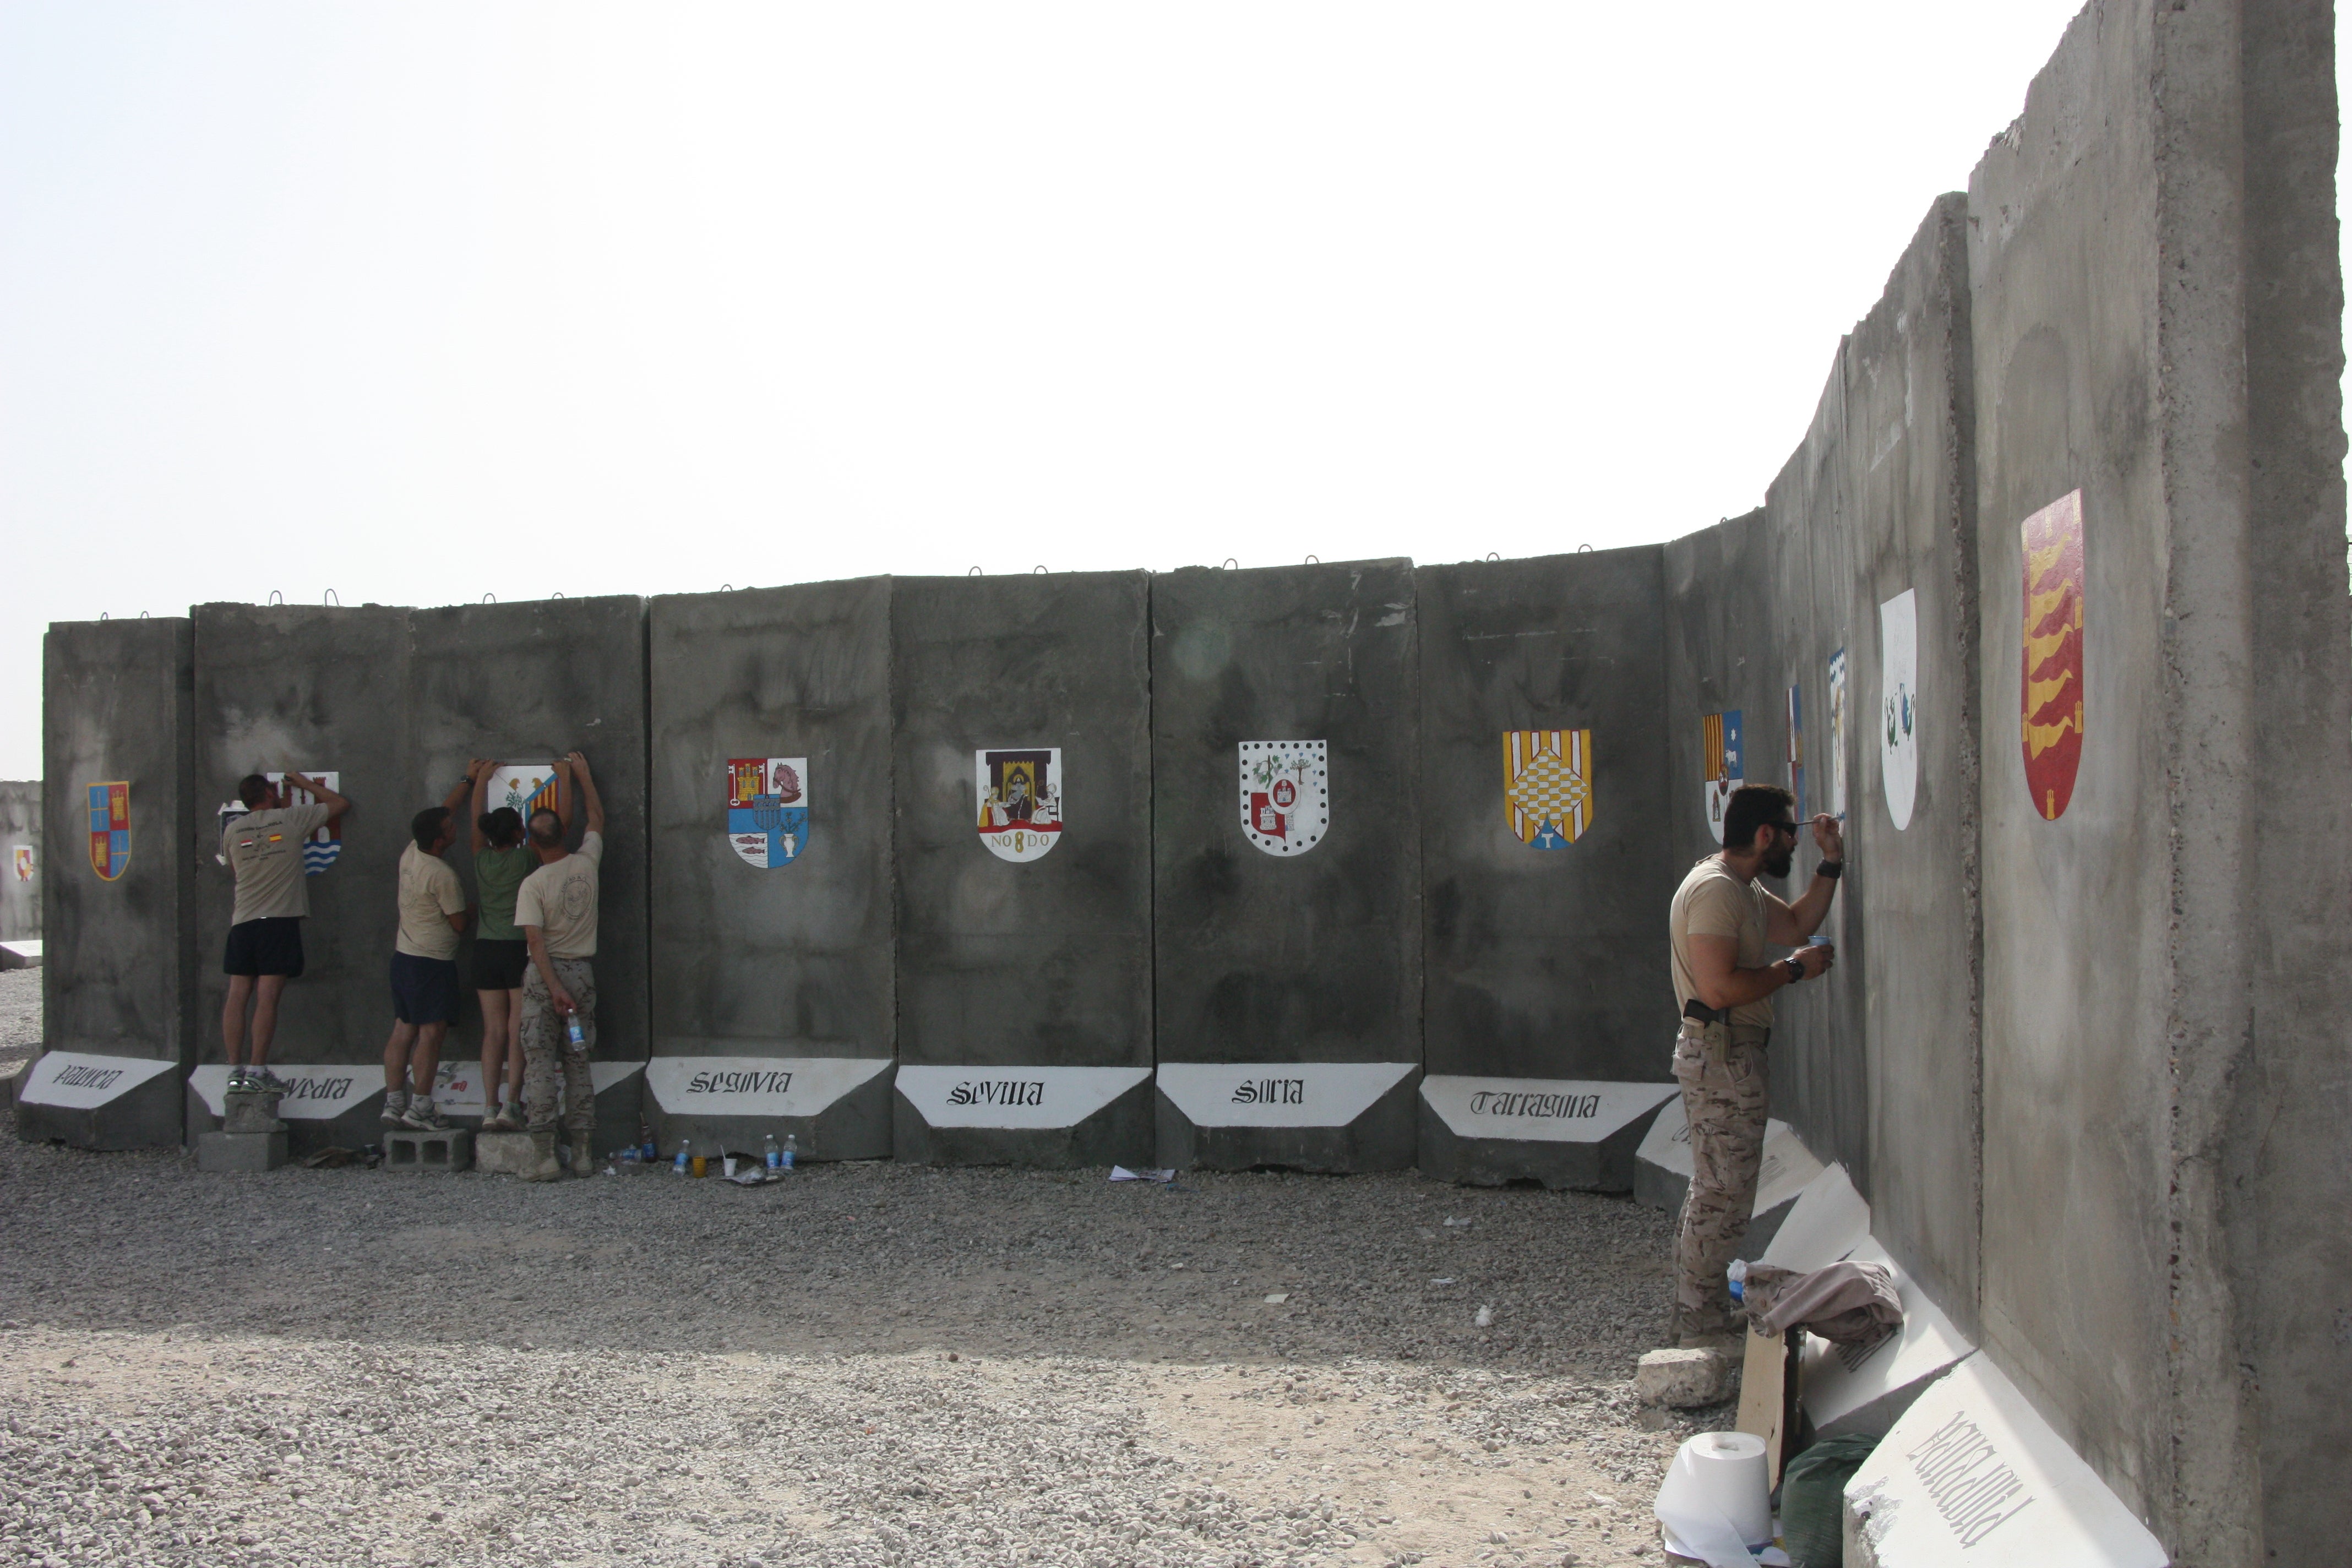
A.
pixel 529 682
pixel 1543 964
pixel 1043 964
pixel 280 686
pixel 118 961
pixel 20 884
pixel 774 969
pixel 2157 322
pixel 1312 962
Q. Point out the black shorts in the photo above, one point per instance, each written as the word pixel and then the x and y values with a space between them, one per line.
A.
pixel 272 946
pixel 500 965
pixel 424 990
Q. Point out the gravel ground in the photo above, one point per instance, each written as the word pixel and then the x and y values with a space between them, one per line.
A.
pixel 20 1015
pixel 862 1365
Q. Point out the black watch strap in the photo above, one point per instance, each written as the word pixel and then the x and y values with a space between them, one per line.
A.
pixel 1796 970
pixel 1833 869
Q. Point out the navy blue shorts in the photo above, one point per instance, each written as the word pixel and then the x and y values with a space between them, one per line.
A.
pixel 272 946
pixel 424 990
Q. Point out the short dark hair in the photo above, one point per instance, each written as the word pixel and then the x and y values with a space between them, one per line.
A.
pixel 1753 806
pixel 253 789
pixel 503 827
pixel 425 825
pixel 546 828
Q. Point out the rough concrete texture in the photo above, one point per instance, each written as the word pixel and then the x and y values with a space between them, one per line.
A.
pixel 1684 1380
pixel 1261 958
pixel 529 682
pixel 21 863
pixel 777 966
pixel 280 686
pixel 118 969
pixel 1043 962
pixel 240 1151
pixel 1542 963
pixel 430 1153
pixel 2156 322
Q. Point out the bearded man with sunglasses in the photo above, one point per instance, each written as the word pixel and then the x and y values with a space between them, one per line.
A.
pixel 1723 919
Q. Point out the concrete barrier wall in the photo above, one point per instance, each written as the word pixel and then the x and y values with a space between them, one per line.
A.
pixel 1548 1016
pixel 1023 967
pixel 530 682
pixel 1288 961
pixel 21 863
pixel 774 1008
pixel 118 972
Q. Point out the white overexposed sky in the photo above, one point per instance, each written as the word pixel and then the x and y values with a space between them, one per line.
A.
pixel 419 301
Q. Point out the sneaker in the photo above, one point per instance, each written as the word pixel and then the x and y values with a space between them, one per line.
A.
pixel 267 1082
pixel 424 1116
pixel 237 1083
pixel 503 1120
pixel 393 1115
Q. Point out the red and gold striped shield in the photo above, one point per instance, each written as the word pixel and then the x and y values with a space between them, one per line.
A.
pixel 2051 705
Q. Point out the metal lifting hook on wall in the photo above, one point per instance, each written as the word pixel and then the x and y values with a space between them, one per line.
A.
pixel 1036 572
pixel 490 598
pixel 1315 561
pixel 334 599
pixel 276 597
pixel 973 572
pixel 1494 555
pixel 1584 550
pixel 726 588
pixel 1229 561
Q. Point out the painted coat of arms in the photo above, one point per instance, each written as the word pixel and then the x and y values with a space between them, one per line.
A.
pixel 525 786
pixel 325 845
pixel 1837 734
pixel 110 828
pixel 1898 704
pixel 1547 786
pixel 767 809
pixel 1719 752
pixel 2051 703
pixel 1285 793
pixel 1019 796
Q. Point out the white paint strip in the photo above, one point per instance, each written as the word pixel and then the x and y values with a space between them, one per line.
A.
pixel 1277 1094
pixel 78 1080
pixel 1970 1475
pixel 756 1086
pixel 1839 1381
pixel 1788 1166
pixel 1827 1222
pixel 315 1093
pixel 1014 1097
pixel 1539 1110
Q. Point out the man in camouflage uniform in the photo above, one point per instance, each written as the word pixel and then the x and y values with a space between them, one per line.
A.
pixel 1722 918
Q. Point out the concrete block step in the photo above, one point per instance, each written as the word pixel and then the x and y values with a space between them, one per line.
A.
pixel 440 1153
pixel 240 1151
pixel 504 1153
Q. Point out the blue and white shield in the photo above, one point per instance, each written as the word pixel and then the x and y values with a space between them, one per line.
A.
pixel 767 809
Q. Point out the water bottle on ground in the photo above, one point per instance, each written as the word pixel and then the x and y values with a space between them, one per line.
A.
pixel 792 1150
pixel 680 1164
pixel 775 1155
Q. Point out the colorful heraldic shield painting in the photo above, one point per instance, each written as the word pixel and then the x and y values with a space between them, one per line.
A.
pixel 1719 752
pixel 1547 786
pixel 2051 706
pixel 110 828
pixel 325 845
pixel 1019 796
pixel 20 861
pixel 767 809
pixel 1837 734
pixel 1797 749
pixel 1898 704
pixel 1285 793
pixel 525 786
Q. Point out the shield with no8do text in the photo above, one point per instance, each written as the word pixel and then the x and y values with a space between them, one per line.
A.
pixel 1019 796
pixel 1547 786
pixel 768 809
pixel 1285 794
pixel 2051 703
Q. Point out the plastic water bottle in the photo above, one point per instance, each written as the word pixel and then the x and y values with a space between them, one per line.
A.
pixel 792 1150
pixel 571 1028
pixel 775 1155
pixel 679 1163
pixel 1737 1274
pixel 648 1153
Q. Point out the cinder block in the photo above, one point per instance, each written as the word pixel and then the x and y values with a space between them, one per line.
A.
pixel 440 1153
pixel 1685 1379
pixel 240 1151
pixel 250 1110
pixel 504 1153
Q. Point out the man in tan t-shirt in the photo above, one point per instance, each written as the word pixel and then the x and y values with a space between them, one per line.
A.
pixel 264 851
pixel 556 910
pixel 432 903
pixel 1717 930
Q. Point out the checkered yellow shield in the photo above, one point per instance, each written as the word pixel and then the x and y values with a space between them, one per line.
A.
pixel 1547 786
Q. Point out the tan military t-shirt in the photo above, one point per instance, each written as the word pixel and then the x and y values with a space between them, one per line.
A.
pixel 264 851
pixel 1713 902
pixel 561 900
pixel 429 894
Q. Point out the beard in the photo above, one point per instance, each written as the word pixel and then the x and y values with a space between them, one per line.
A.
pixel 1778 861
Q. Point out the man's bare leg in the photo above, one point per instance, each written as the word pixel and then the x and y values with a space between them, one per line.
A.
pixel 265 989
pixel 425 1063
pixel 240 991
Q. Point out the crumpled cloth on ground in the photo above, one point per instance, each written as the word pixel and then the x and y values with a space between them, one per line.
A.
pixel 1852 1303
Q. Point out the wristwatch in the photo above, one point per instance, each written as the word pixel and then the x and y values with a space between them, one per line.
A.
pixel 1796 970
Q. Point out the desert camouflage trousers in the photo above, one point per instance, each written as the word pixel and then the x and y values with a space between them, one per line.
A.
pixel 1723 1073
pixel 548 1056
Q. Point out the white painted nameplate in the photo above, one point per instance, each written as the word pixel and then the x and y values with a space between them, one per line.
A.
pixel 313 1093
pixel 1539 1110
pixel 78 1080
pixel 1277 1094
pixel 756 1086
pixel 1014 1097
pixel 458 1086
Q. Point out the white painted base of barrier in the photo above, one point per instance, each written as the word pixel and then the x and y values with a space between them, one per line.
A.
pixel 1540 1109
pixel 1277 1094
pixel 82 1080
pixel 1971 1466
pixel 757 1086
pixel 1019 1099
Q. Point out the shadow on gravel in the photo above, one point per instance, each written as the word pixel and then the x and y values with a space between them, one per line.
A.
pixel 842 1259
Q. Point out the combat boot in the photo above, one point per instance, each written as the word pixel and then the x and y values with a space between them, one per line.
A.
pixel 543 1166
pixel 583 1158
